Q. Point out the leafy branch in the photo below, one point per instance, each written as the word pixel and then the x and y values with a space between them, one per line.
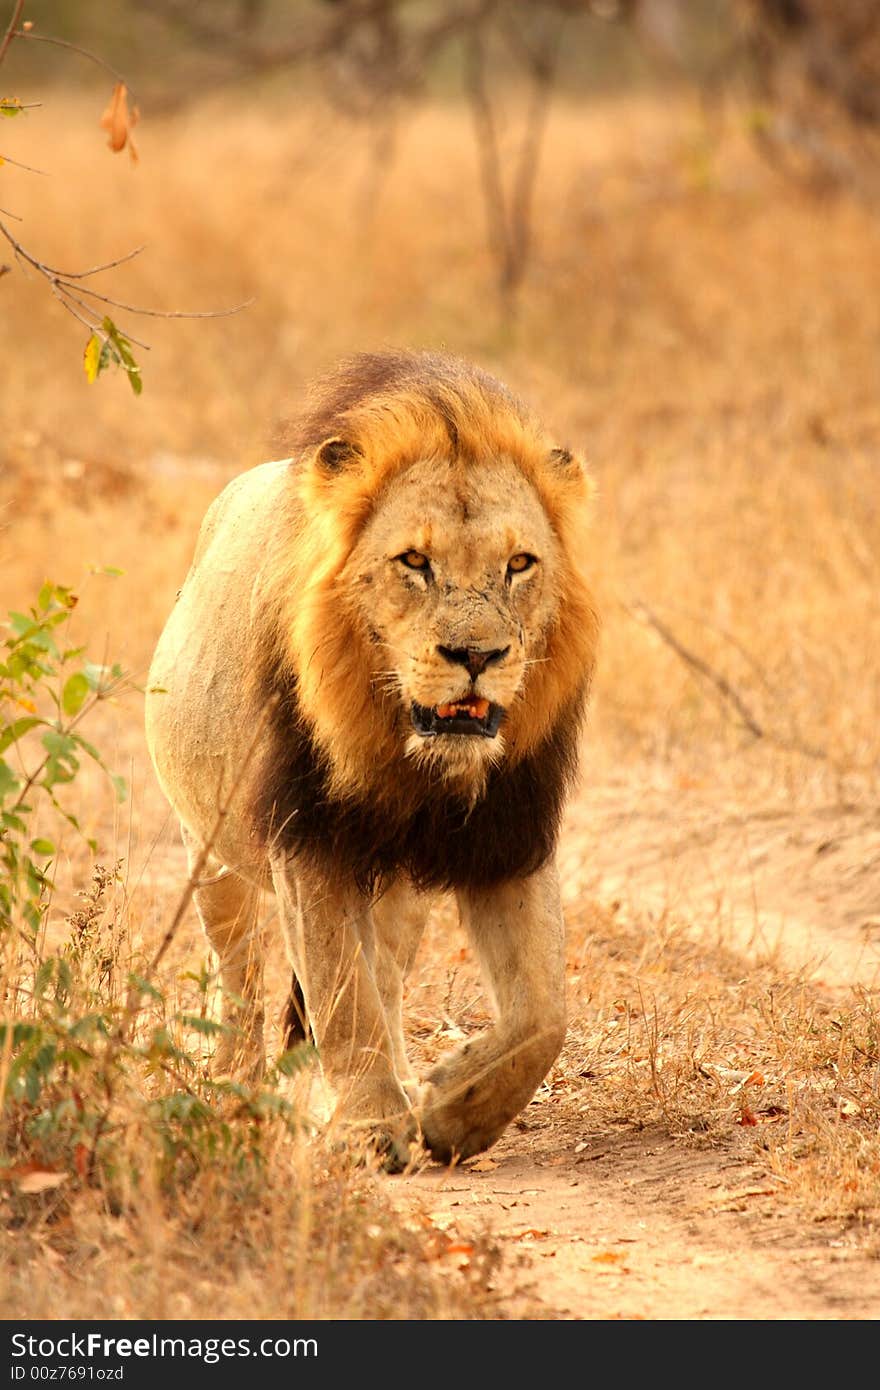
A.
pixel 108 343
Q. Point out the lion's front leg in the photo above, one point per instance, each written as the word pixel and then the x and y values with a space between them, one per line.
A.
pixel 331 941
pixel 473 1095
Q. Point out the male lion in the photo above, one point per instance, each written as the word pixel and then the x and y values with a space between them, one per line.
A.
pixel 371 687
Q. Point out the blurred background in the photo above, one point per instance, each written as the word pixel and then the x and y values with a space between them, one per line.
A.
pixel 656 219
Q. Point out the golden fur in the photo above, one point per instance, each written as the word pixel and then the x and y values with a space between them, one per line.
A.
pixel 468 419
pixel 337 602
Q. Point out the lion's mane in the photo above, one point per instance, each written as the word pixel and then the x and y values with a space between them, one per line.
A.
pixel 335 784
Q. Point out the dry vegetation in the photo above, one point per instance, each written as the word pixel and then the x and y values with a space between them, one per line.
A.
pixel 709 336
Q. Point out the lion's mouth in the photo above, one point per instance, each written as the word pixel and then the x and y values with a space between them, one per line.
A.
pixel 472 715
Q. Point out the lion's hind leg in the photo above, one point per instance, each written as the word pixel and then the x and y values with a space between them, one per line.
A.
pixel 228 910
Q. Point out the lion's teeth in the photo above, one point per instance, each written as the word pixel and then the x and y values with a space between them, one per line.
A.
pixel 473 709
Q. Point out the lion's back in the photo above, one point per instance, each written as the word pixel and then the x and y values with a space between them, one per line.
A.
pixel 199 703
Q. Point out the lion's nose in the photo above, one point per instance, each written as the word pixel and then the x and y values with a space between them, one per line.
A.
pixel 475 659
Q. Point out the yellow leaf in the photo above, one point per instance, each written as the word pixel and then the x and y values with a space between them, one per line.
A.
pixel 92 358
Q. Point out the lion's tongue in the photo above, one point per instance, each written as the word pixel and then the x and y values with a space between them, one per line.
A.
pixel 473 709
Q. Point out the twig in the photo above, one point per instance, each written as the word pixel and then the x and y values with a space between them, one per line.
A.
pixel 642 613
pixel 645 615
pixel 195 877
pixel 74 48
pixel 11 31
pixel 163 313
pixel 105 265
pixel 68 294
pixel 7 159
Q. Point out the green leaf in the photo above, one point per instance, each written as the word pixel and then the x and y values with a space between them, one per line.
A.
pixel 144 987
pixel 123 353
pixel 10 107
pixel 202 1025
pixel 75 693
pixel 62 764
pixel 8 780
pixel 295 1059
pixel 44 974
pixel 42 847
pixel 95 675
pixel 120 786
pixel 87 747
pixel 16 730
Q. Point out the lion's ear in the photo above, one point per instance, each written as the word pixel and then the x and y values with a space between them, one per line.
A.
pixel 565 462
pixel 335 455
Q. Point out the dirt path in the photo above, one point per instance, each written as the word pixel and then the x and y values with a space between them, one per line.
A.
pixel 634 1225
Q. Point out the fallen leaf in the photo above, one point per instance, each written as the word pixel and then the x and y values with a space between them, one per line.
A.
pixel 608 1257
pixel 531 1233
pixel 484 1164
pixel 728 1200
pixel 43 1180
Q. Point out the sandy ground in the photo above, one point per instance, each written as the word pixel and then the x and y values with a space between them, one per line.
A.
pixel 633 1225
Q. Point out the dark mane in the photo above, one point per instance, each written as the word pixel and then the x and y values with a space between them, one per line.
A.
pixel 440 382
pixel 444 843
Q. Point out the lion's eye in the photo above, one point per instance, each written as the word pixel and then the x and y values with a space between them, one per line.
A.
pixel 415 560
pixel 518 564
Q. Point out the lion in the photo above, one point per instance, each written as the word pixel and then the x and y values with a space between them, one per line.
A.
pixel 371 691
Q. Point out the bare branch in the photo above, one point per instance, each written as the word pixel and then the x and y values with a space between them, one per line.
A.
pixel 645 615
pixel 7 159
pixel 12 28
pixel 105 265
pixel 73 47
pixel 164 313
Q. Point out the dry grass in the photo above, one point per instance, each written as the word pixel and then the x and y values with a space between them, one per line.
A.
pixel 708 336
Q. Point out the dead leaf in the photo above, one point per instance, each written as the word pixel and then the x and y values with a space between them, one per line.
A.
pixel 608 1257
pixel 727 1200
pixel 118 121
pixel 43 1180
pixel 484 1164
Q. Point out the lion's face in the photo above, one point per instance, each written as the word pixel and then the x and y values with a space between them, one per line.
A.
pixel 455 580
